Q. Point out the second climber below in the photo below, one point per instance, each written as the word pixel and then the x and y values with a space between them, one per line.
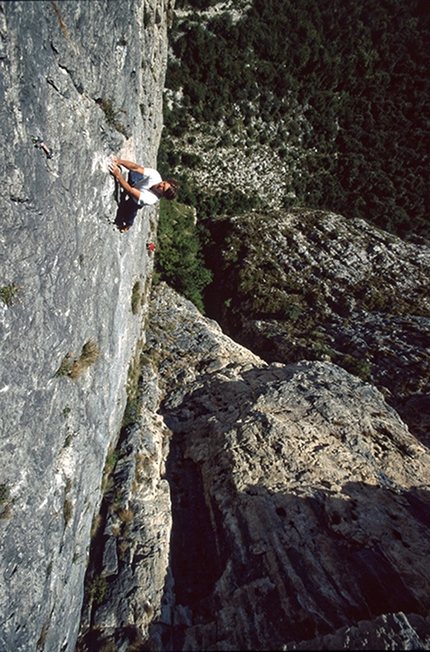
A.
pixel 144 188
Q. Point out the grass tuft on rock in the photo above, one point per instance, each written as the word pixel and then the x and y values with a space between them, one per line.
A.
pixel 73 368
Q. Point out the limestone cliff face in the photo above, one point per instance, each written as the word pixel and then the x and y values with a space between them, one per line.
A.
pixel 252 504
pixel 87 78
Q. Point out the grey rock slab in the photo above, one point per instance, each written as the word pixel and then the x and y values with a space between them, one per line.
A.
pixel 58 244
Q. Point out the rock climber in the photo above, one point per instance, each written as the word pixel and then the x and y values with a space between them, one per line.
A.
pixel 144 188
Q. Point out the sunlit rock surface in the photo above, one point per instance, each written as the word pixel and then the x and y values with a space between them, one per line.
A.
pixel 306 284
pixel 87 78
pixel 300 499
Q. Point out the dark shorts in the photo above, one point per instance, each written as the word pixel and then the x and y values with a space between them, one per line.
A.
pixel 128 207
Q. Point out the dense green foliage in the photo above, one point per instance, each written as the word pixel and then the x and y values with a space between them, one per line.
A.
pixel 179 259
pixel 347 80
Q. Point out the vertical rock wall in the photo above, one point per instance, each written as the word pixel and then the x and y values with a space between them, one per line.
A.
pixel 87 78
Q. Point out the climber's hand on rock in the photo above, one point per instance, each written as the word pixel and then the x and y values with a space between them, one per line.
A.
pixel 114 169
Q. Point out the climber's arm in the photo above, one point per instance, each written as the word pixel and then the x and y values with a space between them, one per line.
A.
pixel 130 166
pixel 115 171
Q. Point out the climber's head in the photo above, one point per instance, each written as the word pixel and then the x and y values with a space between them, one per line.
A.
pixel 167 189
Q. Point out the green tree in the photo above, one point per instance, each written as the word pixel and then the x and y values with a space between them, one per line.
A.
pixel 179 260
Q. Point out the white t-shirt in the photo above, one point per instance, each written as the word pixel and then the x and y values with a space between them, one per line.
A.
pixel 150 178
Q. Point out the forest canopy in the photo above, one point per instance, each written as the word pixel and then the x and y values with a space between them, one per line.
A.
pixel 358 70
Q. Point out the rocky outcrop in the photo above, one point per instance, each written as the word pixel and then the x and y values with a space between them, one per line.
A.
pixel 392 632
pixel 87 78
pixel 126 579
pixel 305 284
pixel 300 499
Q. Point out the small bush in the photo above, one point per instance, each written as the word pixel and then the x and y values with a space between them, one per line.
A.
pixel 4 493
pixel 292 312
pixel 360 368
pixel 133 409
pixel 125 515
pixel 136 297
pixel 5 511
pixel 90 353
pixel 98 589
pixel 67 510
pixel 95 525
pixel 66 366
pixel 108 108
pixel 110 463
pixel 5 508
pixel 8 293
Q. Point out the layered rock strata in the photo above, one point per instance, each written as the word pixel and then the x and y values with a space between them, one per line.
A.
pixel 87 78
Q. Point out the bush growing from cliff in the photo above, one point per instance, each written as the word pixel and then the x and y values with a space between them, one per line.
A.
pixel 5 510
pixel 9 293
pixel 136 297
pixel 67 510
pixel 98 589
pixel 74 368
pixel 111 113
pixel 179 260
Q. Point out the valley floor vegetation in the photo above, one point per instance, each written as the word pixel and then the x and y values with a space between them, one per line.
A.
pixel 345 83
pixel 179 260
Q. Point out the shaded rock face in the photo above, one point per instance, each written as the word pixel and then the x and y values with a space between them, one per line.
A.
pixel 300 499
pixel 87 78
pixel 392 632
pixel 314 285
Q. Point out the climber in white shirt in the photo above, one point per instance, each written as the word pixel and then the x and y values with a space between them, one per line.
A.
pixel 145 187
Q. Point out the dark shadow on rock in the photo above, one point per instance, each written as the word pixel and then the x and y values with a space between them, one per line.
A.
pixel 300 579
pixel 415 412
pixel 126 213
